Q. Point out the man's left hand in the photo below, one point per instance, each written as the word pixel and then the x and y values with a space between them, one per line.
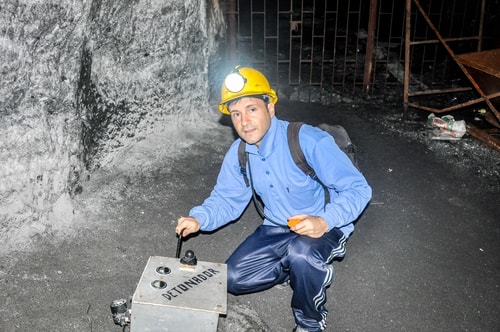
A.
pixel 311 226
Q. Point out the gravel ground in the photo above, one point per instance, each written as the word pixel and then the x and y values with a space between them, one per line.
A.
pixel 424 256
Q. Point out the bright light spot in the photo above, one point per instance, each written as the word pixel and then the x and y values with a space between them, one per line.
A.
pixel 234 82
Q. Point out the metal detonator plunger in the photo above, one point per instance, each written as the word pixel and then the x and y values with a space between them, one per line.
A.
pixel 179 245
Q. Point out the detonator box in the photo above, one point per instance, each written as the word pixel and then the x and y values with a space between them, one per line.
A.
pixel 172 296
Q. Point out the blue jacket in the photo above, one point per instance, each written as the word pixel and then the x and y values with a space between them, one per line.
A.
pixel 283 187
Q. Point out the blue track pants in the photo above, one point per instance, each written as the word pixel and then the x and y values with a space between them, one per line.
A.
pixel 273 255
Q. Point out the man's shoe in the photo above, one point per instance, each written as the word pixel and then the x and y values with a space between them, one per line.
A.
pixel 284 285
pixel 299 329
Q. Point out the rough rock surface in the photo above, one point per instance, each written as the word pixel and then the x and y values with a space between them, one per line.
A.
pixel 82 81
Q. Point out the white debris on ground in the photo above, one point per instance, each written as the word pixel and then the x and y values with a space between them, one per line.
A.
pixel 468 153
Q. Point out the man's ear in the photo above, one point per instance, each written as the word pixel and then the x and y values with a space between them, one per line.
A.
pixel 271 109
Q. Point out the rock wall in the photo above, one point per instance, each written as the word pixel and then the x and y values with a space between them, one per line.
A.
pixel 82 79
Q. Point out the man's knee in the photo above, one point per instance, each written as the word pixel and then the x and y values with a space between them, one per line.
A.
pixel 238 284
pixel 233 278
pixel 301 250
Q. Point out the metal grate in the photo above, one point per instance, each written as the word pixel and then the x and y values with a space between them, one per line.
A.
pixel 316 49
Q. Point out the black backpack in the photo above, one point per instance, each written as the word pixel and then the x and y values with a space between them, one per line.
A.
pixel 337 131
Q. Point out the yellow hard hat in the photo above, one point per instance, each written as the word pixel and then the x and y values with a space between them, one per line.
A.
pixel 244 82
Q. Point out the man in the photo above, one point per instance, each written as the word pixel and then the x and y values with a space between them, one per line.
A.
pixel 278 252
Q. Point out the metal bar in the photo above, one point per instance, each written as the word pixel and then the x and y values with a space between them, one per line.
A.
pixel 406 82
pixel 346 44
pixel 484 136
pixel 252 39
pixel 438 91
pixel 435 41
pixel 335 42
pixel 264 34
pixel 454 107
pixel 232 31
pixel 358 13
pixel 372 23
pixel 312 43
pixel 301 38
pixel 481 25
pixel 323 61
pixel 290 43
pixel 277 52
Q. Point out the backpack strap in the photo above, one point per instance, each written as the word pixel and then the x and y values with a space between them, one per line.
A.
pixel 242 158
pixel 299 158
pixel 296 150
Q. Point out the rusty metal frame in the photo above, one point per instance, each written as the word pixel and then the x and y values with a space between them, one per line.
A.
pixel 463 62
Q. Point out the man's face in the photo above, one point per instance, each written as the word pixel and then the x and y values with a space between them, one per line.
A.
pixel 251 118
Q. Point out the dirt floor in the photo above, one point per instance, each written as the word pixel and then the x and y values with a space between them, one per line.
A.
pixel 424 256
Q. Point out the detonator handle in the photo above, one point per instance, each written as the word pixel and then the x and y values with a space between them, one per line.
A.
pixel 179 245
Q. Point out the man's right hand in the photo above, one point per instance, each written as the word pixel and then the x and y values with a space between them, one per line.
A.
pixel 187 225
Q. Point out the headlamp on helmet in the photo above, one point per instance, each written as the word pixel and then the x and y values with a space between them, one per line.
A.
pixel 234 82
pixel 245 82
